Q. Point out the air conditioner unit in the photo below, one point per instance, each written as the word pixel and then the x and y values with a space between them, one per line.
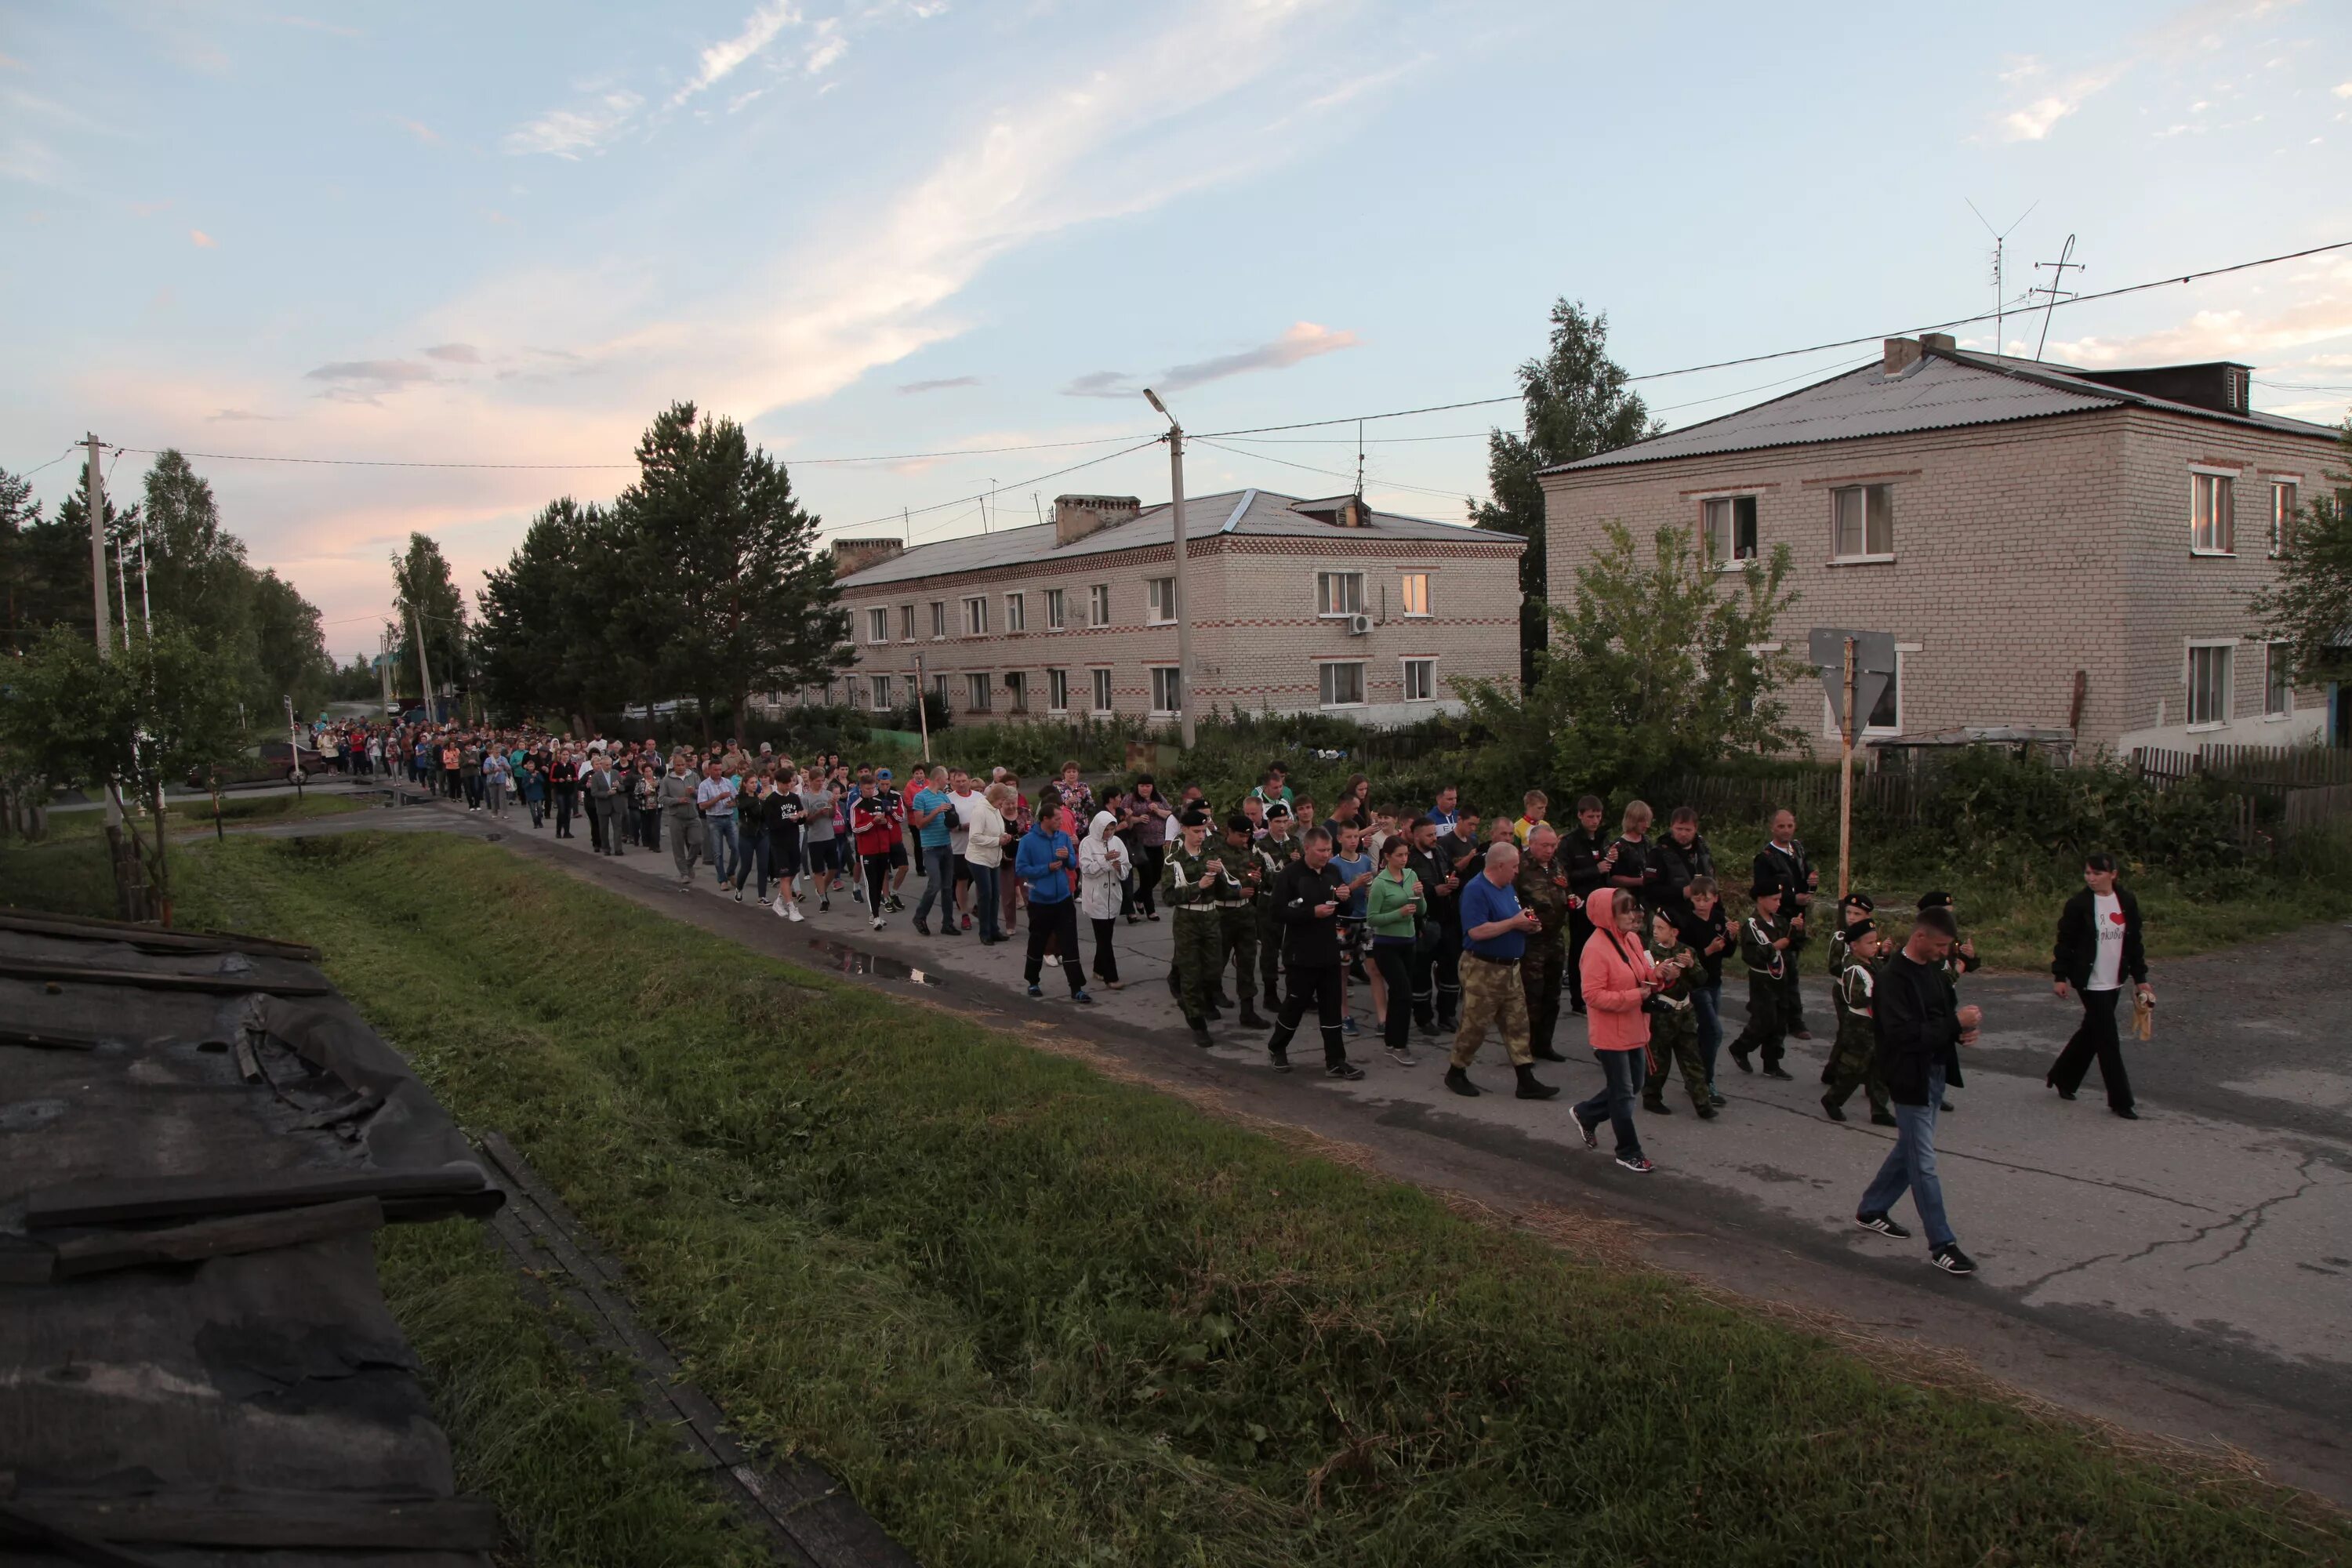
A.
pixel 1358 625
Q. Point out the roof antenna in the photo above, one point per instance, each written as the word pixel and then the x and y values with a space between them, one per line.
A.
pixel 2000 252
pixel 1359 460
pixel 2056 290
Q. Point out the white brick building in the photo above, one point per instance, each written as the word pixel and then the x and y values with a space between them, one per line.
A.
pixel 2014 524
pixel 1297 605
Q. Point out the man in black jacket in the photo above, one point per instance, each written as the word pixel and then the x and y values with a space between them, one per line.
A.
pixel 1919 1033
pixel 1437 976
pixel 1784 860
pixel 2098 948
pixel 1681 855
pixel 1308 897
pixel 1590 858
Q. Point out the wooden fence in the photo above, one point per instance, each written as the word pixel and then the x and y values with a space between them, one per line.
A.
pixel 2276 792
pixel 1890 797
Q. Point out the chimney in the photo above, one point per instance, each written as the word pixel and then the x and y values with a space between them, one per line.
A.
pixel 1943 340
pixel 856 554
pixel 1902 353
pixel 1075 517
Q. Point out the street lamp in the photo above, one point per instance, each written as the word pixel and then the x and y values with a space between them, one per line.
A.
pixel 1183 600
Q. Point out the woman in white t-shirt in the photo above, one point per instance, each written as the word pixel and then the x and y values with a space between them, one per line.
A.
pixel 2099 947
pixel 986 833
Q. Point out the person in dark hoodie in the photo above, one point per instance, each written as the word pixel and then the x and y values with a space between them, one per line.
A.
pixel 1680 855
pixel 1919 1037
pixel 1307 900
pixel 1590 858
pixel 2099 947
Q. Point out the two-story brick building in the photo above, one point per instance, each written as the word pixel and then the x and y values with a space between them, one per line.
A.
pixel 2048 545
pixel 1297 605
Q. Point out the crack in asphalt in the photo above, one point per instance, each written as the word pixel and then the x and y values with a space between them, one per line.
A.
pixel 2259 1214
pixel 2252 1218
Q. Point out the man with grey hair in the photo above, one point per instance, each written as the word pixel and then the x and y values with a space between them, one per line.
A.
pixel 1494 931
pixel 676 799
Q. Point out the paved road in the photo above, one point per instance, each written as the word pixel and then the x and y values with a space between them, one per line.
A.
pixel 2187 1273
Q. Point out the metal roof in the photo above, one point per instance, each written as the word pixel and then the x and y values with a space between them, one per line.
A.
pixel 1946 389
pixel 1250 513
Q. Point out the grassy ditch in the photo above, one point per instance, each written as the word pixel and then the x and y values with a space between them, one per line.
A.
pixel 1033 1314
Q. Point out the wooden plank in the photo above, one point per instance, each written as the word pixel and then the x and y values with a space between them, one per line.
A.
pixel 347 1520
pixel 113 1200
pixel 158 980
pixel 154 939
pixel 199 1239
pixel 25 1527
pixel 47 1039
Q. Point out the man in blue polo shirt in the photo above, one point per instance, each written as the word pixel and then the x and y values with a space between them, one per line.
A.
pixel 1494 939
pixel 931 814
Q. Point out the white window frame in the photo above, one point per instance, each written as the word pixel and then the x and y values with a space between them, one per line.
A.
pixel 2287 498
pixel 1016 692
pixel 1016 613
pixel 906 623
pixel 2228 647
pixel 1324 582
pixel 1404 680
pixel 1057 690
pixel 1057 610
pixel 1839 554
pixel 877 625
pixel 939 686
pixel 1734 561
pixel 1405 581
pixel 975 615
pixel 1324 698
pixel 1159 601
pixel 1162 674
pixel 880 686
pixel 1098 604
pixel 2274 659
pixel 978 695
pixel 939 620
pixel 2223 523
pixel 1903 652
pixel 1099 688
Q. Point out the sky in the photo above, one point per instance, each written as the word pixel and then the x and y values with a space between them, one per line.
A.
pixel 431 234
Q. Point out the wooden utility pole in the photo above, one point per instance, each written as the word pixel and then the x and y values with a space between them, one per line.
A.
pixel 94 488
pixel 1845 785
pixel 922 713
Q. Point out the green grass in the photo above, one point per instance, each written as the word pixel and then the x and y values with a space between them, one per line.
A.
pixel 193 816
pixel 1033 1314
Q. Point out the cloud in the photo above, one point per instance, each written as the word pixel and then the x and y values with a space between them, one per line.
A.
pixel 942 384
pixel 826 47
pixel 418 129
pixel 311 24
pixel 241 413
pixel 568 132
pixel 33 163
pixel 1304 340
pixel 2343 89
pixel 2036 120
pixel 202 240
pixel 2194 30
pixel 2236 334
pixel 453 353
pixel 366 379
pixel 10 63
pixel 721 60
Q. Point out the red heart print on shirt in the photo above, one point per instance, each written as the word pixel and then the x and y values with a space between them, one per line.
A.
pixel 2117 917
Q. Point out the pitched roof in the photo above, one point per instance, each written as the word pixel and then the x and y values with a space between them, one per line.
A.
pixel 1946 389
pixel 1250 513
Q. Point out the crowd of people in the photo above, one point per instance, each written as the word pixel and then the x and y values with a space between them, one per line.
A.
pixel 1450 927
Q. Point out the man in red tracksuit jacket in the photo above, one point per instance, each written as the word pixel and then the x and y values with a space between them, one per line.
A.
pixel 874 827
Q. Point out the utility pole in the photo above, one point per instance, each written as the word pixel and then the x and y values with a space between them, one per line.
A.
pixel 1184 703
pixel 1845 785
pixel 95 487
pixel 384 665
pixel 423 669
pixel 2057 290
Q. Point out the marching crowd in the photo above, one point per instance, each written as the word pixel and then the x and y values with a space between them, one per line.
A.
pixel 1448 929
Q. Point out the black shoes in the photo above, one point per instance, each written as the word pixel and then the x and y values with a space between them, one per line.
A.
pixel 1773 1071
pixel 1656 1106
pixel 1951 1260
pixel 1459 1082
pixel 1221 1000
pixel 1342 1069
pixel 1200 1035
pixel 1740 1060
pixel 1882 1226
pixel 1705 1111
pixel 1546 1054
pixel 2125 1112
pixel 1532 1088
pixel 922 927
pixel 1279 1056
pixel 1836 1111
pixel 1250 1020
pixel 1882 1119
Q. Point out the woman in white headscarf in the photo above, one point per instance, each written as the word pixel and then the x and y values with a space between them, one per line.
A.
pixel 1103 868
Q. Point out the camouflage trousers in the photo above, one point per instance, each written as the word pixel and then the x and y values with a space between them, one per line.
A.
pixel 1240 928
pixel 1200 949
pixel 1854 1065
pixel 1673 1043
pixel 1542 972
pixel 1491 994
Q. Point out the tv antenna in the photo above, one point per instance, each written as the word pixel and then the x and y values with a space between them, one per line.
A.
pixel 2057 288
pixel 1999 259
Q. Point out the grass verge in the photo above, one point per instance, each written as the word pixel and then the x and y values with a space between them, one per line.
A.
pixel 1033 1314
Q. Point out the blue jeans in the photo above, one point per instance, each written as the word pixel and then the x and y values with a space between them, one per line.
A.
pixel 938 883
pixel 753 859
pixel 726 848
pixel 1622 1073
pixel 985 892
pixel 1911 1165
pixel 1709 1000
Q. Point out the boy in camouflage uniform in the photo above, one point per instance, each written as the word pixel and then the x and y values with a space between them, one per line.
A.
pixel 1243 884
pixel 1854 1063
pixel 1674 1024
pixel 1542 885
pixel 1764 938
pixel 1190 886
pixel 1853 906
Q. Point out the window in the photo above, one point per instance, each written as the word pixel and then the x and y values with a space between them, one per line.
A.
pixel 1166 689
pixel 1098 604
pixel 1161 594
pixel 1102 691
pixel 2278 696
pixel 975 693
pixel 975 616
pixel 881 686
pixel 1862 520
pixel 1885 717
pixel 856 696
pixel 1057 690
pixel 1413 593
pixel 2212 514
pixel 1419 680
pixel 877 625
pixel 1016 612
pixel 1729 523
pixel 1343 685
pixel 1056 610
pixel 906 623
pixel 1338 593
pixel 2208 683
pixel 2283 494
pixel 940 688
pixel 1016 690
pixel 938 619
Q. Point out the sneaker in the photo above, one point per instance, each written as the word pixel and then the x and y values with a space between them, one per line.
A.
pixel 1036 991
pixel 1343 1069
pixel 792 913
pixel 1716 1100
pixel 1350 1026
pixel 877 922
pixel 1403 1058
pixel 1705 1112
pixel 1636 1164
pixel 1053 961
pixel 1740 1060
pixel 1951 1260
pixel 967 922
pixel 1836 1112
pixel 1882 1226
pixel 1774 1071
pixel 1081 998
pixel 823 905
pixel 1279 1058
pixel 922 927
pixel 1584 1132
pixel 948 929
pixel 739 895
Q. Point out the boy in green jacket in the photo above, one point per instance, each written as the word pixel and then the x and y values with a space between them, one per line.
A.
pixel 1854 1063
pixel 1674 1022
pixel 1764 939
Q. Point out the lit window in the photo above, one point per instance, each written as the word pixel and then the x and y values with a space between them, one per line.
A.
pixel 1412 589
pixel 2283 498
pixel 2212 514
pixel 1056 610
pixel 1166 690
pixel 1861 521
pixel 1338 593
pixel 975 616
pixel 2278 696
pixel 1102 691
pixel 1016 613
pixel 877 625
pixel 1729 528
pixel 2208 683
pixel 1057 690
pixel 1098 604
pixel 1161 596
pixel 1343 685
pixel 1419 680
pixel 976 693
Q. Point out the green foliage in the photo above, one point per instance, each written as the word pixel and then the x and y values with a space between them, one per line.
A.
pixel 2310 604
pixel 431 607
pixel 541 645
pixel 2030 824
pixel 148 715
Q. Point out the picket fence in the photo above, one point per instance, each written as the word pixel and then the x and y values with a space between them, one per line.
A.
pixel 1889 797
pixel 2276 792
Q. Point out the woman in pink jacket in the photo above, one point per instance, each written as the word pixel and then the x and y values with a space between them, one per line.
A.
pixel 1618 979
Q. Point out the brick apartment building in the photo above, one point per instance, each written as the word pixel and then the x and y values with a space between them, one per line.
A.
pixel 2013 524
pixel 1297 605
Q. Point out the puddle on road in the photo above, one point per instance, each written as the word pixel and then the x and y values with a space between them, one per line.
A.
pixel 844 959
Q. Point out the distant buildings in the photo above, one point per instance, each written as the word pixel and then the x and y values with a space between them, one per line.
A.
pixel 2049 546
pixel 1297 606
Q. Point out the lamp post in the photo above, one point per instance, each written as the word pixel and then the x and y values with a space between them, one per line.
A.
pixel 1184 705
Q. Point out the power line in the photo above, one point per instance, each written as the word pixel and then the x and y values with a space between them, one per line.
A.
pixel 1309 468
pixel 2291 386
pixel 567 468
pixel 60 458
pixel 905 512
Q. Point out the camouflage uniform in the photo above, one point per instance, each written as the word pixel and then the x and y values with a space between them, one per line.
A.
pixel 1199 938
pixel 1854 1063
pixel 1674 1033
pixel 1237 901
pixel 1544 889
pixel 1273 855
pixel 1491 994
pixel 1768 969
